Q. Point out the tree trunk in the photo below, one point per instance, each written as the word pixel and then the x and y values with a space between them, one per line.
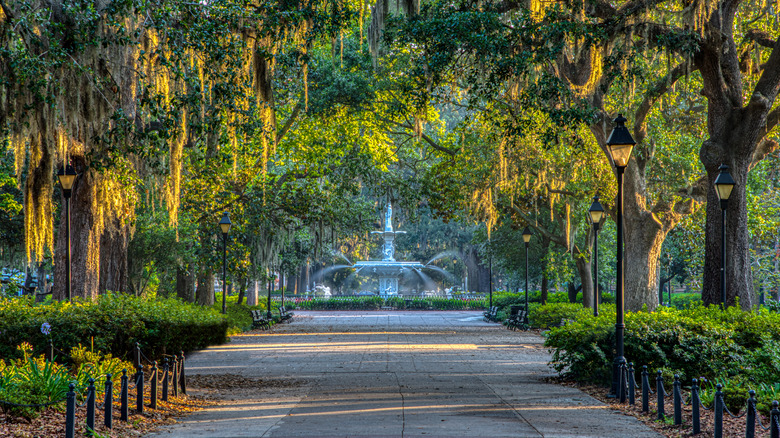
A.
pixel 98 262
pixel 644 237
pixel 185 285
pixel 251 298
pixel 204 294
pixel 241 290
pixel 545 286
pixel 586 277
pixel 739 281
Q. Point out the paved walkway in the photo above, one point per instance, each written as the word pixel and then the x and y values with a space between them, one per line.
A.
pixel 389 374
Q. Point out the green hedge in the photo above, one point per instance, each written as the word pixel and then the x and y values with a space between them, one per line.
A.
pixel 375 303
pixel 693 342
pixel 114 322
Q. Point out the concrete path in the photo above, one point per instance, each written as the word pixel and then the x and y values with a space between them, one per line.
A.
pixel 389 374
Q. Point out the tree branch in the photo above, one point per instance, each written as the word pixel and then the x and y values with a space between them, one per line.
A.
pixel 288 124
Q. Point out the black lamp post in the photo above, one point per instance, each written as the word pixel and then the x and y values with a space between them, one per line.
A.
pixel 619 144
pixel 490 286
pixel 596 212
pixel 67 176
pixel 724 184
pixel 224 225
pixel 526 238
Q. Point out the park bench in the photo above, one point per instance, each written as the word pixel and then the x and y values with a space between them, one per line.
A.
pixel 490 314
pixel 517 319
pixel 284 314
pixel 259 320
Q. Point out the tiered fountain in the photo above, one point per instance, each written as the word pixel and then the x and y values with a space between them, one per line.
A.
pixel 388 271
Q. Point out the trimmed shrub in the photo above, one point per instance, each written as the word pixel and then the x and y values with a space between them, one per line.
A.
pixel 113 323
pixel 694 342
pixel 553 314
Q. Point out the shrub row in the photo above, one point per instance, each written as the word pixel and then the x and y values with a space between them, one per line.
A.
pixel 694 342
pixel 375 303
pixel 112 323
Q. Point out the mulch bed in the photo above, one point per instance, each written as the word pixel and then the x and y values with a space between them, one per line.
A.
pixel 732 427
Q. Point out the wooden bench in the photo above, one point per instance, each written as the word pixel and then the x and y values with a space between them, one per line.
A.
pixel 259 320
pixel 518 320
pixel 284 314
pixel 490 314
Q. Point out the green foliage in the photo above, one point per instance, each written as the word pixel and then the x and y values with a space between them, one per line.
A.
pixel 693 342
pixel 113 323
pixel 375 303
pixel 553 314
pixel 31 380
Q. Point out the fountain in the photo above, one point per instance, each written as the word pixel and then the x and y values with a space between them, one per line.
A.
pixel 388 271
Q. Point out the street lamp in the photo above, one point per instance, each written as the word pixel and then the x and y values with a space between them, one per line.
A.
pixel 526 239
pixel 67 176
pixel 619 144
pixel 224 225
pixel 596 212
pixel 724 184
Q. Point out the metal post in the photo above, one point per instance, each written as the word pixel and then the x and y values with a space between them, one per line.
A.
pixel 91 407
pixel 66 194
pixel 153 402
pixel 224 272
pixel 620 326
pixel 623 381
pixel 123 397
pixel 70 411
pixel 490 286
pixel 182 377
pixel 723 205
pixel 774 421
pixel 51 351
pixel 139 390
pixel 696 415
pixel 677 401
pixel 596 293
pixel 165 380
pixel 718 411
pixel 631 384
pixel 175 379
pixel 645 389
pixel 659 392
pixel 750 428
pixel 108 403
pixel 525 318
pixel 268 302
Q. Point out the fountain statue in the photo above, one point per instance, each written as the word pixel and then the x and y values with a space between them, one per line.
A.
pixel 389 271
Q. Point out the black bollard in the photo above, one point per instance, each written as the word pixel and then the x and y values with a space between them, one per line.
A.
pixel 631 384
pixel 153 403
pixel 91 407
pixel 123 397
pixel 750 427
pixel 774 421
pixel 659 391
pixel 182 377
pixel 165 380
pixel 175 379
pixel 108 403
pixel 677 395
pixel 622 381
pixel 696 416
pixel 70 412
pixel 645 389
pixel 718 411
pixel 139 390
